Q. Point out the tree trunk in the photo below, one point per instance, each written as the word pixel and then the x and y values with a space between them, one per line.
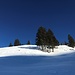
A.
pixel 52 49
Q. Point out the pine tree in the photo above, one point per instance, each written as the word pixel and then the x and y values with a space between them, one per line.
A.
pixel 56 42
pixel 17 42
pixel 28 43
pixel 10 45
pixel 41 37
pixel 71 41
pixel 51 40
pixel 49 37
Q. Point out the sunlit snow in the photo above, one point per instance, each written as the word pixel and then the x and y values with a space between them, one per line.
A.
pixel 29 60
pixel 32 50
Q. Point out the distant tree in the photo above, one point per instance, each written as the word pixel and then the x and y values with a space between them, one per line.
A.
pixel 41 37
pixel 56 42
pixel 28 43
pixel 65 43
pixel 71 41
pixel 51 40
pixel 10 45
pixel 17 42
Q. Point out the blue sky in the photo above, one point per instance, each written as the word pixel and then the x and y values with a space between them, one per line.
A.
pixel 21 19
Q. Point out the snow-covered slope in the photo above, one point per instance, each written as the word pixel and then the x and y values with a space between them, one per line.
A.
pixel 24 60
pixel 32 50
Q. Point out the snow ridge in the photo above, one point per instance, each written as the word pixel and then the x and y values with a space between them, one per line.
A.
pixel 32 50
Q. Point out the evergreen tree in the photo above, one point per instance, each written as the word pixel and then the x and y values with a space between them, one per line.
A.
pixel 41 37
pixel 51 40
pixel 49 37
pixel 10 45
pixel 28 43
pixel 56 42
pixel 17 42
pixel 71 41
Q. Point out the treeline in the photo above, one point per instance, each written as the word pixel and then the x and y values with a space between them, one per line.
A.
pixel 17 43
pixel 47 40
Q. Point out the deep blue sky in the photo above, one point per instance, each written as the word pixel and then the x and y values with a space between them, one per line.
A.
pixel 21 19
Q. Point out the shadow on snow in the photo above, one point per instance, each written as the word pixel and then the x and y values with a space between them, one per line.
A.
pixel 38 65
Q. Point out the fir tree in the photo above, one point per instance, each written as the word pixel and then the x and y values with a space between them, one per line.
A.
pixel 56 42
pixel 71 41
pixel 51 40
pixel 49 37
pixel 10 45
pixel 17 42
pixel 41 37
pixel 28 43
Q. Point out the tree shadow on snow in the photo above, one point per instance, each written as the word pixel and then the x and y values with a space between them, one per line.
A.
pixel 28 47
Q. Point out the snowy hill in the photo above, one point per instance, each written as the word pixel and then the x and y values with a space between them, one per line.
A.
pixel 28 60
pixel 32 50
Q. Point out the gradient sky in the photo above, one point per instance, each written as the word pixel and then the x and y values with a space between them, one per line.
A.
pixel 21 19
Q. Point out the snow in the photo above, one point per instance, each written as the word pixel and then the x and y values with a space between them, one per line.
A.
pixel 32 50
pixel 28 60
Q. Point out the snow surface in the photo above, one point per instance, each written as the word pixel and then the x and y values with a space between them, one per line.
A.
pixel 28 60
pixel 32 50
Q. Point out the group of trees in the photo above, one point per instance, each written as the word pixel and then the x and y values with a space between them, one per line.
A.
pixel 17 43
pixel 46 38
